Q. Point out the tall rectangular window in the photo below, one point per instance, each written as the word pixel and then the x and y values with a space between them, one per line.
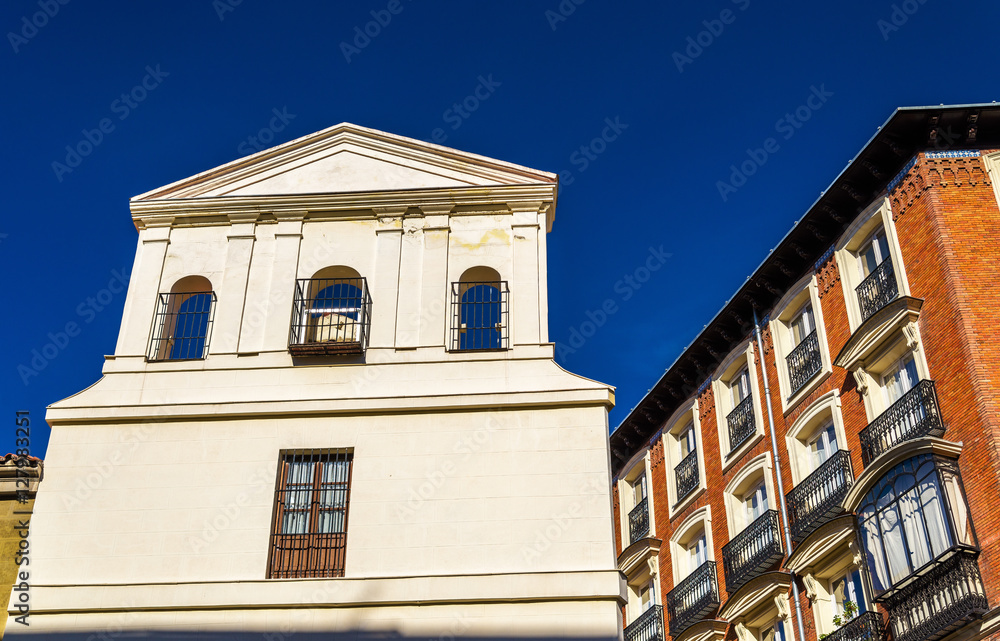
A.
pixel 309 526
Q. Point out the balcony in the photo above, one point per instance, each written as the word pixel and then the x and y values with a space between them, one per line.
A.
pixel 638 521
pixel 693 599
pixel 877 290
pixel 867 626
pixel 648 627
pixel 915 415
pixel 741 423
pixel 941 601
pixel 686 475
pixel 330 316
pixel 817 498
pixel 753 551
pixel 804 362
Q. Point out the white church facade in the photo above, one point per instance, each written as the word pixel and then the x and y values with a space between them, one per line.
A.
pixel 333 407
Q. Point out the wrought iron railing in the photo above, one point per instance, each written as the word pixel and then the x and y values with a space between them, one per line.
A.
pixel 182 326
pixel 914 415
pixel 638 521
pixel 648 627
pixel 939 602
pixel 693 599
pixel 878 289
pixel 753 551
pixel 330 316
pixel 867 626
pixel 480 319
pixel 804 362
pixel 741 423
pixel 817 498
pixel 686 474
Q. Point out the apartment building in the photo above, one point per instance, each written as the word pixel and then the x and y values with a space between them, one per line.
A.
pixel 332 408
pixel 823 461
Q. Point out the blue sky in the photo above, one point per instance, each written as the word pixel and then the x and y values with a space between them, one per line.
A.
pixel 645 108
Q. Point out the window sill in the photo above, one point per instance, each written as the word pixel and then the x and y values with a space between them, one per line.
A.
pixel 787 405
pixel 729 460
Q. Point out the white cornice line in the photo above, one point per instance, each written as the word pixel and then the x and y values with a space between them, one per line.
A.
pixel 192 208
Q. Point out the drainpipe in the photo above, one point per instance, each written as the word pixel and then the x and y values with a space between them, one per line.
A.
pixel 777 467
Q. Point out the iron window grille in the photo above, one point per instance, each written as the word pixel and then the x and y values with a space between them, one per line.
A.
pixel 914 415
pixel 182 326
pixel 686 475
pixel 804 362
pixel 817 498
pixel 753 551
pixel 638 521
pixel 330 316
pixel 741 423
pixel 309 526
pixel 693 599
pixel 867 626
pixel 878 289
pixel 647 627
pixel 480 319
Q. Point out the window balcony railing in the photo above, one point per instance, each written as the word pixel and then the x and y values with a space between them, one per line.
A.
pixel 867 626
pixel 648 627
pixel 914 415
pixel 480 316
pixel 878 289
pixel 686 474
pixel 817 498
pixel 753 551
pixel 941 601
pixel 804 362
pixel 741 423
pixel 693 599
pixel 330 316
pixel 638 521
pixel 182 326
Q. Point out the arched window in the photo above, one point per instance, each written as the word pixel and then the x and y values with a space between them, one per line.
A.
pixel 183 323
pixel 479 311
pixel 332 312
pixel 912 517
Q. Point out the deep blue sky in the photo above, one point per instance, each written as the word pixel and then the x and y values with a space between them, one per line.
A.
pixel 656 184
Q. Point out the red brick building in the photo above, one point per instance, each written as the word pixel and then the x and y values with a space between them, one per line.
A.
pixel 824 458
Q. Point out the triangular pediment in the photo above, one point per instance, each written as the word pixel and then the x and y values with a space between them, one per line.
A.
pixel 349 159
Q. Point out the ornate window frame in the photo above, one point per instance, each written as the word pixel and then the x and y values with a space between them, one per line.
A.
pixel 807 289
pixel 743 356
pixel 686 415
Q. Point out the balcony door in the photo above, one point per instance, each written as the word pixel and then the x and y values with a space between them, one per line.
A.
pixel 740 386
pixel 899 379
pixel 803 324
pixel 822 446
pixel 872 253
pixel 755 502
pixel 687 441
pixel 696 554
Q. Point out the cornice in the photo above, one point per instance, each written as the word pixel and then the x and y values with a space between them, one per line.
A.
pixel 188 211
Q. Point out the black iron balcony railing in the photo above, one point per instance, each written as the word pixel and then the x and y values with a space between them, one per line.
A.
pixel 686 474
pixel 330 316
pixel 878 289
pixel 638 521
pixel 693 599
pixel 648 627
pixel 480 316
pixel 939 602
pixel 804 362
pixel 914 415
pixel 741 423
pixel 867 626
pixel 817 498
pixel 753 551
